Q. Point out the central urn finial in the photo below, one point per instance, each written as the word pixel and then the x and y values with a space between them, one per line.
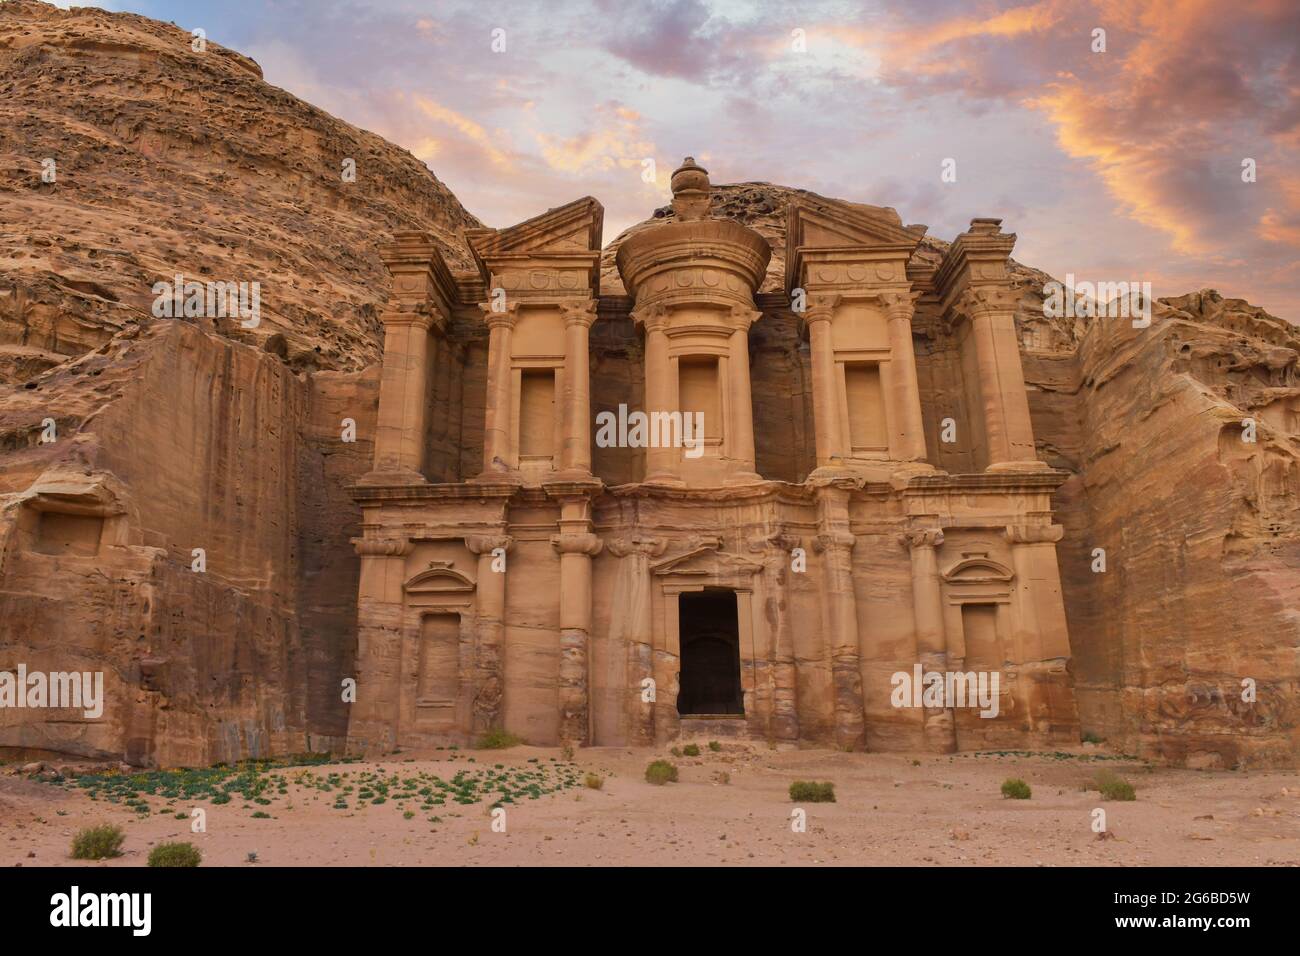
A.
pixel 690 185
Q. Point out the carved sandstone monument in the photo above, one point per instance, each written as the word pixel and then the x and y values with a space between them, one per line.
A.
pixel 903 461
pixel 699 583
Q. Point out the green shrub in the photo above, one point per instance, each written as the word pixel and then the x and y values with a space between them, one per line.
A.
pixel 594 781
pixel 498 740
pixel 691 750
pixel 174 854
pixel 661 772
pixel 1016 789
pixel 714 746
pixel 1091 738
pixel 98 843
pixel 1113 787
pixel 809 791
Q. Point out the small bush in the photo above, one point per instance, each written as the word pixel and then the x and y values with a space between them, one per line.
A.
pixel 809 791
pixel 675 751
pixel 1016 789
pixel 1113 787
pixel 714 746
pixel 498 740
pixel 661 772
pixel 691 750
pixel 594 781
pixel 1091 738
pixel 174 854
pixel 98 843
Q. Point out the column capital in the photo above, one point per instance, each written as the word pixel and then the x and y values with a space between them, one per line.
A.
pixel 821 307
pixel 742 317
pixel 1034 533
pixel 580 543
pixel 653 316
pixel 504 317
pixel 899 304
pixel 578 312
pixel 487 543
pixel 834 541
pixel 981 301
pixel 383 547
pixel 422 315
pixel 915 538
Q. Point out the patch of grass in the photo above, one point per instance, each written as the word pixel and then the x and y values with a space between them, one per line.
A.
pixel 809 791
pixel 1114 787
pixel 714 746
pixel 661 772
pixel 594 781
pixel 98 843
pixel 691 750
pixel 1091 738
pixel 675 751
pixel 499 739
pixel 1016 789
pixel 175 854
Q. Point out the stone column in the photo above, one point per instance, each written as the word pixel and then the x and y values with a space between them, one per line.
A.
pixel 576 545
pixel 660 463
pixel 740 437
pixel 906 424
pixel 835 543
pixel 1005 406
pixel 403 397
pixel 575 452
pixel 633 622
pixel 498 437
pixel 826 395
pixel 782 695
pixel 931 639
pixel 490 610
pixel 374 717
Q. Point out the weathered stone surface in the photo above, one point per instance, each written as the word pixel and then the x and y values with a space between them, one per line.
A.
pixel 378 558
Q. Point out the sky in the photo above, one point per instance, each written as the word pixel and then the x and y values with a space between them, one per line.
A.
pixel 1128 163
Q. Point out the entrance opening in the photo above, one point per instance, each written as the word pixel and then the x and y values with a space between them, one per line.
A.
pixel 710 641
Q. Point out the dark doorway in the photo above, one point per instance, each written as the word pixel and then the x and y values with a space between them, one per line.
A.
pixel 710 640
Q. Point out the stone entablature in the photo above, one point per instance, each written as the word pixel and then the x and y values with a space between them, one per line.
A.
pixel 534 597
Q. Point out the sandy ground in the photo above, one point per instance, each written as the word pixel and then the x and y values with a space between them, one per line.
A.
pixel 891 809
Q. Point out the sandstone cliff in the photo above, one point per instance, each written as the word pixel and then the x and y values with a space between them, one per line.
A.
pixel 175 435
pixel 172 436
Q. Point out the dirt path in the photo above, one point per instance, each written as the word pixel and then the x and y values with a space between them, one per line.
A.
pixel 891 809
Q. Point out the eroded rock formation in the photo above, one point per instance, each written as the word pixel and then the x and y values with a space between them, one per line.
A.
pixel 172 435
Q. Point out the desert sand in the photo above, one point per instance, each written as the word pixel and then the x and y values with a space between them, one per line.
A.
pixel 729 808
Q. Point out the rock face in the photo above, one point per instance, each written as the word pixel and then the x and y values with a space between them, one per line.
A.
pixel 171 435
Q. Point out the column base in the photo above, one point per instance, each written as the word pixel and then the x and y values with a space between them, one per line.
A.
pixel 743 478
pixel 664 479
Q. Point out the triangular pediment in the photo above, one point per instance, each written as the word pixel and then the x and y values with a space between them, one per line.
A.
pixel 574 228
pixel 833 224
pixel 706 560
